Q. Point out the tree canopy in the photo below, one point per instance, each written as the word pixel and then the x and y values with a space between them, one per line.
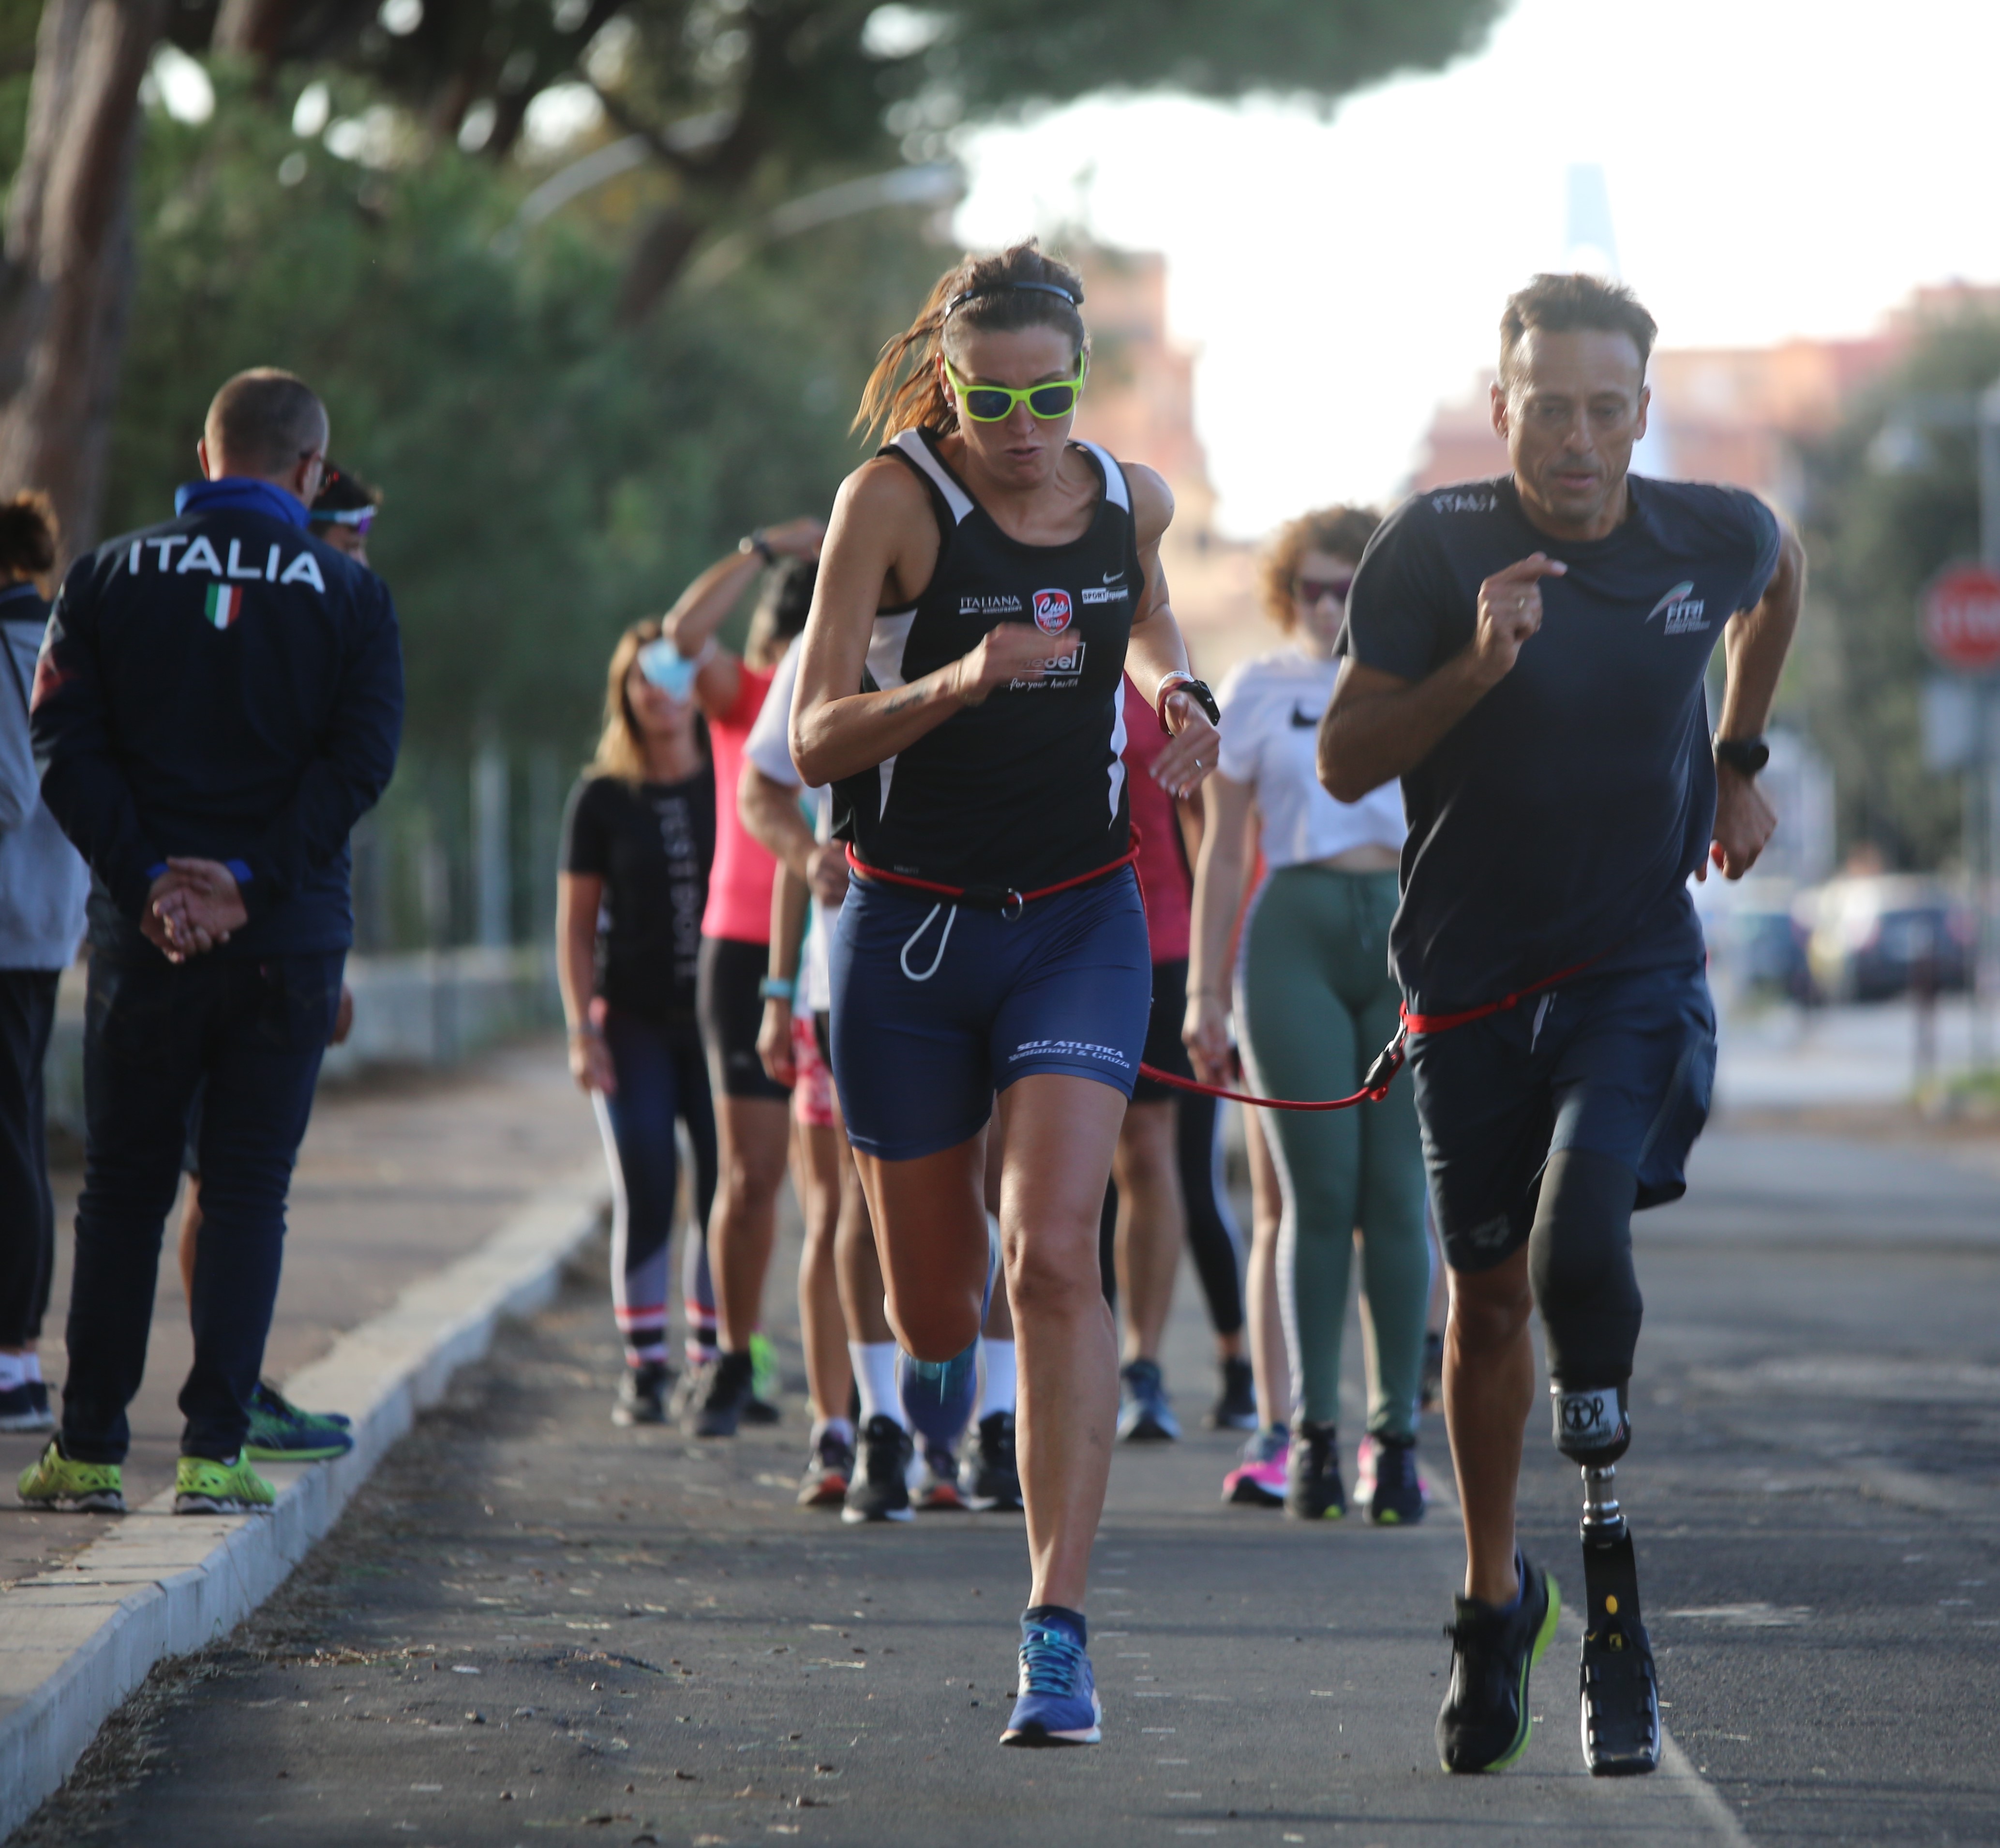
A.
pixel 741 102
pixel 549 478
pixel 1893 498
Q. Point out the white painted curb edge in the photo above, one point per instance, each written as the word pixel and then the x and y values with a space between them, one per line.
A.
pixel 76 1642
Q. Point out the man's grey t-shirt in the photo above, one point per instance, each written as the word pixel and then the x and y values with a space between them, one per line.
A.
pixel 1560 819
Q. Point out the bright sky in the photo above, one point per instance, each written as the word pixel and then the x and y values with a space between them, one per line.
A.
pixel 1774 167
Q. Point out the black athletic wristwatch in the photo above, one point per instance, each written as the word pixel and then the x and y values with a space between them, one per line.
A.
pixel 1203 695
pixel 1746 756
pixel 756 542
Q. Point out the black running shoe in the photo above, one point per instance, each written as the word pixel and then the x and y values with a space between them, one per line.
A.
pixel 1236 1410
pixel 829 1468
pixel 760 1411
pixel 716 1405
pixel 881 1490
pixel 642 1395
pixel 988 1478
pixel 1387 1488
pixel 1312 1475
pixel 1431 1389
pixel 1485 1723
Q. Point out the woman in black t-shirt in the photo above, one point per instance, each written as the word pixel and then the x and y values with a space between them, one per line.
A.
pixel 637 842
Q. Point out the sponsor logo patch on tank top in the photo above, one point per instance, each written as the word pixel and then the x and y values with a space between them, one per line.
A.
pixel 1061 673
pixel 1052 611
pixel 994 606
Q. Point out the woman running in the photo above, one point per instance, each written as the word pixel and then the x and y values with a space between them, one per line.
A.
pixel 637 841
pixel 986 582
pixel 1315 1005
pixel 1165 1172
pixel 1258 1480
pixel 874 1465
pixel 754 1109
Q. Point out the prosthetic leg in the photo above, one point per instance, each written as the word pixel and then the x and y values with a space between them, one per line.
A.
pixel 1619 1696
pixel 1580 1260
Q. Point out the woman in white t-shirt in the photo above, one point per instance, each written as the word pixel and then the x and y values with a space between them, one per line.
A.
pixel 1314 1003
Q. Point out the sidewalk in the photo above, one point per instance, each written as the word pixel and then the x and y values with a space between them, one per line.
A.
pixel 398 1178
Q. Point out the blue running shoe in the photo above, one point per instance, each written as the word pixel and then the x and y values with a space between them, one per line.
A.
pixel 1056 1703
pixel 280 1432
pixel 1145 1417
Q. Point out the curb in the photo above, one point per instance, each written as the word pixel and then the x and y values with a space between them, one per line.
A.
pixel 76 1642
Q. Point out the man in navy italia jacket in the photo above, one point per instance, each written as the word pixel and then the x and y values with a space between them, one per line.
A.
pixel 218 701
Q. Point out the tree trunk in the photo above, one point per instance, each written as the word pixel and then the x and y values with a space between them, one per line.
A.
pixel 66 273
pixel 253 28
pixel 657 260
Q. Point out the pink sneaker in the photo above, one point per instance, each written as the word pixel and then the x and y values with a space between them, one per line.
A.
pixel 1258 1481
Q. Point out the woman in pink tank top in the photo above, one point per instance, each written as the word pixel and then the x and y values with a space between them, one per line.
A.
pixel 752 1118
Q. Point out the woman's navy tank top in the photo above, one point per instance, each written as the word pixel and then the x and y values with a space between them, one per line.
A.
pixel 1027 789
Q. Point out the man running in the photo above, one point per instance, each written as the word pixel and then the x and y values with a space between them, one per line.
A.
pixel 1528 653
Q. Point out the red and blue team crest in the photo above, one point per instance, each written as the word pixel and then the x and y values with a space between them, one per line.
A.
pixel 1052 611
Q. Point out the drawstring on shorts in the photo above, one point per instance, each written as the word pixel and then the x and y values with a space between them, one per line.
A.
pixel 944 937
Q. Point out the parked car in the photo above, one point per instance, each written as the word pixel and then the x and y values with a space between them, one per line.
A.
pixel 1765 948
pixel 1885 935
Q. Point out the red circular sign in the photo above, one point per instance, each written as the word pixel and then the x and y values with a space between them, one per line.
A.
pixel 1961 618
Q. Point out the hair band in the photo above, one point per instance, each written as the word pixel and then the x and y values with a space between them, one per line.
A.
pixel 959 301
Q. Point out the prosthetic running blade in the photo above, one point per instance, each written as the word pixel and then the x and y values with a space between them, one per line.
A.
pixel 1619 1693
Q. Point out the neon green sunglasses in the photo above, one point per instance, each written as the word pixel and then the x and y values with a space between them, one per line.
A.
pixel 993 404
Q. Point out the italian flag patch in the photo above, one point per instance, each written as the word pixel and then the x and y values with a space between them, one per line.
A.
pixel 225 604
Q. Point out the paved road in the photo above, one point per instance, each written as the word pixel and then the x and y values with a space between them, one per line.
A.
pixel 398 1177
pixel 1777 1056
pixel 532 1628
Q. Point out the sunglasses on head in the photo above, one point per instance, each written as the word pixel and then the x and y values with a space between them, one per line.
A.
pixel 993 403
pixel 360 518
pixel 1313 590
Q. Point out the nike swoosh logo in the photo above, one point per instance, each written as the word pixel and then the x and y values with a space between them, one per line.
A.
pixel 1672 596
pixel 1114 577
pixel 1305 722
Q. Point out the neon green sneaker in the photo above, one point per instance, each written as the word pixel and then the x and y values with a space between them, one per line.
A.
pixel 762 1408
pixel 54 1480
pixel 202 1487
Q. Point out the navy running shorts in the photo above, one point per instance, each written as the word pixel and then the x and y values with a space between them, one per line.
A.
pixel 937 1008
pixel 1621 1064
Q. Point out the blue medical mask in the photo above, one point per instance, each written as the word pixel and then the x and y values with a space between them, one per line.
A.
pixel 668 669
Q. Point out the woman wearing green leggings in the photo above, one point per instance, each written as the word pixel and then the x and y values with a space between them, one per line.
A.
pixel 1314 1003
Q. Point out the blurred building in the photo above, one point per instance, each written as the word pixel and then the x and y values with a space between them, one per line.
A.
pixel 1140 404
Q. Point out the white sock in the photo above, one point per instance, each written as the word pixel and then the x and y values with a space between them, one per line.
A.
pixel 31 1365
pixel 997 1394
pixel 875 1378
pixel 13 1371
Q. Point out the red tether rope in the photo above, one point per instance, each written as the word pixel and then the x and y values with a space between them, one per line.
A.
pixel 1381 1073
